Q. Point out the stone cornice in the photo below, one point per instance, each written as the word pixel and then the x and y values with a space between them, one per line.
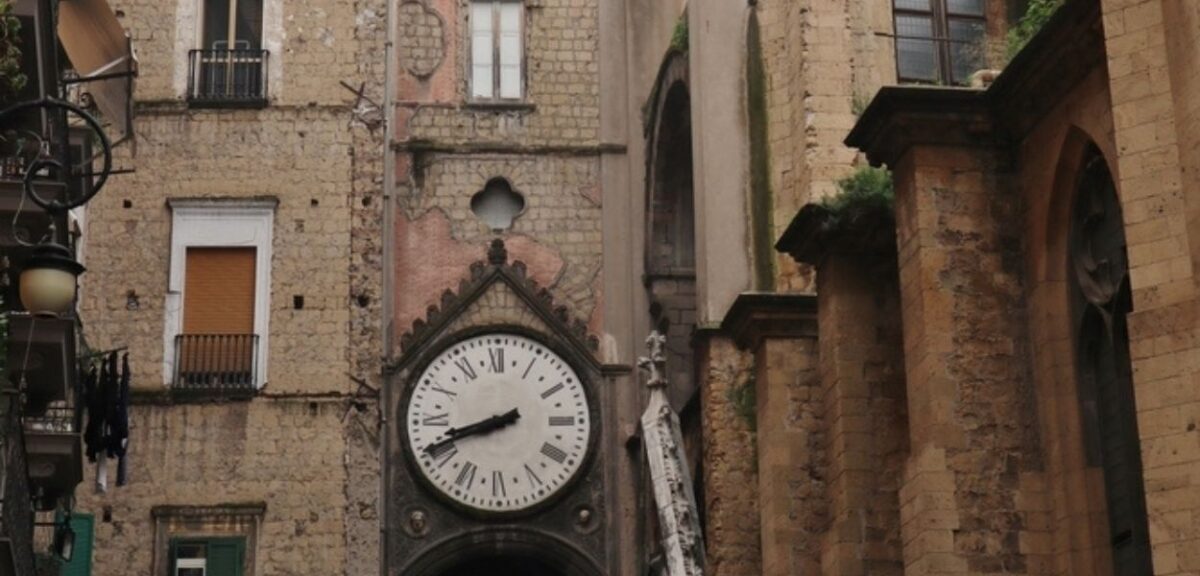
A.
pixel 756 316
pixel 903 116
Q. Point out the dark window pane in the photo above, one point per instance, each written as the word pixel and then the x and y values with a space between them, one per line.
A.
pixel 967 48
pixel 965 7
pixel 920 5
pixel 249 25
pixel 216 25
pixel 915 59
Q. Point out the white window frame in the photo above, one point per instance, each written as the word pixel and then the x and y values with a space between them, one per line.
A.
pixel 496 66
pixel 189 35
pixel 219 223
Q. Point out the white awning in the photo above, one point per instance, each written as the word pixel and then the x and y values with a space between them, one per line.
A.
pixel 102 55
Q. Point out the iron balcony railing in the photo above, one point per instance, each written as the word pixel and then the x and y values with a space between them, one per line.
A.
pixel 232 78
pixel 216 364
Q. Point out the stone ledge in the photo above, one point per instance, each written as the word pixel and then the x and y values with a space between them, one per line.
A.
pixel 816 233
pixel 755 316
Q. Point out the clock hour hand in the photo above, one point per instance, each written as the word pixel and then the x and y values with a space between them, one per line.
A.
pixel 484 426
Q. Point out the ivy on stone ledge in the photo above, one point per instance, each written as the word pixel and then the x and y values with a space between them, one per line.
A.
pixel 867 188
pixel 1036 15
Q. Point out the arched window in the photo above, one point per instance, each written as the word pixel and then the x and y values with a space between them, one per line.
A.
pixel 1099 278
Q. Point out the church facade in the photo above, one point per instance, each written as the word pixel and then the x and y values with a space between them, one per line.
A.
pixel 979 362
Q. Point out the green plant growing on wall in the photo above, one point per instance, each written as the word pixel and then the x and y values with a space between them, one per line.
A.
pixel 1036 15
pixel 12 80
pixel 866 188
pixel 744 403
pixel 679 36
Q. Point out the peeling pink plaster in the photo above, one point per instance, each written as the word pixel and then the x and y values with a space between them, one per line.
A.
pixel 429 261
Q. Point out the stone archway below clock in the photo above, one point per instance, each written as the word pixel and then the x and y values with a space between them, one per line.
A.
pixel 503 552
pixel 502 566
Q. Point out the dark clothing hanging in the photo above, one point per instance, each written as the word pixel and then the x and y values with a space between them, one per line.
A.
pixel 93 432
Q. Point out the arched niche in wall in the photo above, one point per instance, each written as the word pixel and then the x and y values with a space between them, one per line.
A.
pixel 670 244
pixel 1098 275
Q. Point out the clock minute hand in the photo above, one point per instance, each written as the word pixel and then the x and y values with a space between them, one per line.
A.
pixel 484 426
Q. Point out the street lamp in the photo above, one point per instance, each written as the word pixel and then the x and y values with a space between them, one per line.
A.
pixel 48 280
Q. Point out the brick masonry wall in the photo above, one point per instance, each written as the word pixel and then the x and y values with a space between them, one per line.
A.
pixel 865 409
pixel 792 471
pixel 1152 72
pixel 732 531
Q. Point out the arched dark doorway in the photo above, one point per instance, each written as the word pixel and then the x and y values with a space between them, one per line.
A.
pixel 507 551
pixel 502 566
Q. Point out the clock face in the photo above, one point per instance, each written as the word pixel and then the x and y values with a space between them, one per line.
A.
pixel 498 423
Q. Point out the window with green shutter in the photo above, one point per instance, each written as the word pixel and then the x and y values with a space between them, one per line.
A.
pixel 81 558
pixel 208 556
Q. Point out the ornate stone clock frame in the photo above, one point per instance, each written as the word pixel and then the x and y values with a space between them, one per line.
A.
pixel 427 534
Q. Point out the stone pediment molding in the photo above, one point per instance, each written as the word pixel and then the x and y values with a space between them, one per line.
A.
pixel 492 276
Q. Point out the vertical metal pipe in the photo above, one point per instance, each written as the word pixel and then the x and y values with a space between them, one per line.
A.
pixel 391 68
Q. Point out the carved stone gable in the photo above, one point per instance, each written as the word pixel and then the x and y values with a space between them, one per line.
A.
pixel 497 293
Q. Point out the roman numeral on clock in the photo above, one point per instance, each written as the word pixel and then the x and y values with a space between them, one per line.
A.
pixel 551 391
pixel 467 370
pixel 562 420
pixel 436 420
pixel 438 388
pixel 496 355
pixel 533 478
pixel 466 476
pixel 554 453
pixel 444 453
pixel 498 485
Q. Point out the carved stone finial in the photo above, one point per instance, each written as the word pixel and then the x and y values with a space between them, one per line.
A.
pixel 656 362
pixel 497 253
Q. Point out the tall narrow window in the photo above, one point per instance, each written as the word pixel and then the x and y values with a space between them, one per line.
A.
pixel 230 65
pixel 1102 303
pixel 939 41
pixel 218 301
pixel 497 49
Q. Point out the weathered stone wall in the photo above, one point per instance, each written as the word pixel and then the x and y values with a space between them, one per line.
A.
pixel 732 531
pixel 546 147
pixel 1152 67
pixel 972 431
pixel 287 454
pixel 791 472
pixel 1071 510
pixel 307 438
pixel 865 410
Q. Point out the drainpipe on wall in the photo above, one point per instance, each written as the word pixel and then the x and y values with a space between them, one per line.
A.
pixel 389 192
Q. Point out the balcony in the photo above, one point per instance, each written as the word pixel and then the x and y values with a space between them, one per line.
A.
pixel 227 78
pixel 41 352
pixel 54 450
pixel 216 365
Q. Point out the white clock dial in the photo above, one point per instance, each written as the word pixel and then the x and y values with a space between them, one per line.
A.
pixel 498 423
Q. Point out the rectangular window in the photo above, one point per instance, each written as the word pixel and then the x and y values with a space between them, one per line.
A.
pixel 230 66
pixel 208 556
pixel 939 41
pixel 497 49
pixel 218 297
